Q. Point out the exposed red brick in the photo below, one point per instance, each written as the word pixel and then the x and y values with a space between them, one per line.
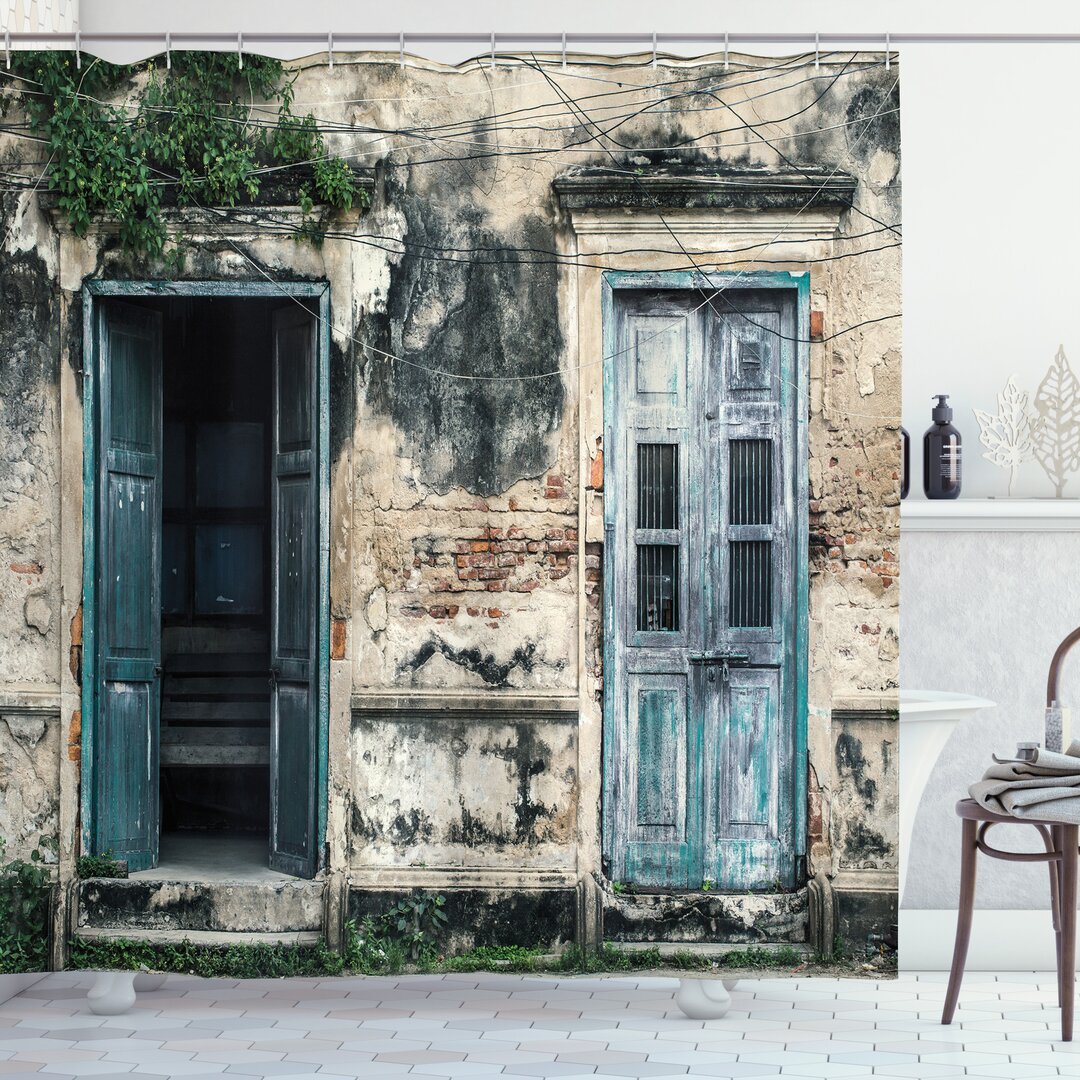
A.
pixel 27 568
pixel 337 639
pixel 495 613
pixel 596 472
pixel 817 325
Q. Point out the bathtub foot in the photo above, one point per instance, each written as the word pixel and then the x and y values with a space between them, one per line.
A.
pixel 112 994
pixel 703 999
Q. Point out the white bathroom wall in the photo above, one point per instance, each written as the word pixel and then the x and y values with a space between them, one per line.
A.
pixel 990 236
pixel 982 613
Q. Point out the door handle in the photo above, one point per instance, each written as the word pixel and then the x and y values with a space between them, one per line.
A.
pixel 159 670
pixel 275 674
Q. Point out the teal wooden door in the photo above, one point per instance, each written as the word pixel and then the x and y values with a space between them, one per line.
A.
pixel 700 779
pixel 128 556
pixel 294 648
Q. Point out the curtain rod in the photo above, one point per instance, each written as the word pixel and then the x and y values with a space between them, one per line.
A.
pixel 76 39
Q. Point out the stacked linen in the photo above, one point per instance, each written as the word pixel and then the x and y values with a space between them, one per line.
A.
pixel 1045 788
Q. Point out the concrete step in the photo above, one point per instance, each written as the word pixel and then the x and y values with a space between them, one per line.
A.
pixel 261 907
pixel 708 949
pixel 199 937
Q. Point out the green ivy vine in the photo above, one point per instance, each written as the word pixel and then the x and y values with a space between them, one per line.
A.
pixel 124 142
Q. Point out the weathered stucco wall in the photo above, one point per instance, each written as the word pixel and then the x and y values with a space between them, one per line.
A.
pixel 466 496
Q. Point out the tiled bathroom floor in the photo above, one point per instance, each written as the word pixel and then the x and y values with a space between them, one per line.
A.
pixel 519 1026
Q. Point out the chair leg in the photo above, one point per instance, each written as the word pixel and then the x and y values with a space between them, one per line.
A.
pixel 964 916
pixel 1070 837
pixel 1054 866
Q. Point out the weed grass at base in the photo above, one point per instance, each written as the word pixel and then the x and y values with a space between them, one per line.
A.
pixel 410 937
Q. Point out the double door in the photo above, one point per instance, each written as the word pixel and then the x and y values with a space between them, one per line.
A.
pixel 122 690
pixel 701 776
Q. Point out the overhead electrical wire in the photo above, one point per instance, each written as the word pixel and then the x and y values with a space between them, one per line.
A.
pixel 708 293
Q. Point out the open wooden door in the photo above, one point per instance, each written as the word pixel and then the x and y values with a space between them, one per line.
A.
pixel 128 555
pixel 294 649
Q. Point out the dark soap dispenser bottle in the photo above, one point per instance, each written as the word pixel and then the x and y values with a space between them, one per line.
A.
pixel 941 454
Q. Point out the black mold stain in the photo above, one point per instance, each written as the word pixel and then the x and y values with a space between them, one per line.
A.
pixel 882 130
pixel 124 903
pixel 483 664
pixel 529 756
pixel 342 396
pixel 679 918
pixel 864 846
pixel 851 760
pixel 476 917
pixel 407 828
pixel 490 315
pixel 30 349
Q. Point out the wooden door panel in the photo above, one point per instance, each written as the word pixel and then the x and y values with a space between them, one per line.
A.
pixel 745 824
pixel 128 813
pixel 294 653
pixel 128 555
pixel 291 752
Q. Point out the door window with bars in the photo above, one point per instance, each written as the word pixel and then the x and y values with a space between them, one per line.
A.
pixel 750 502
pixel 657 537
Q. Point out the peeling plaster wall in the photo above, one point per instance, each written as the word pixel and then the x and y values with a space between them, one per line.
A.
pixel 466 514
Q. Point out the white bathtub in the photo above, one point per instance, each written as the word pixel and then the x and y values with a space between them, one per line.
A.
pixel 927 719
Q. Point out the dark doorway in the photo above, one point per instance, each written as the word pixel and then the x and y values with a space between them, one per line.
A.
pixel 205 678
pixel 215 584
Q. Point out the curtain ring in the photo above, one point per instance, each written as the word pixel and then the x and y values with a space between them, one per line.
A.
pixel 725 50
pixel 7 47
pixel 240 51
pixel 78 50
pixel 401 50
pixel 888 52
pixel 168 50
pixel 330 49
pixel 817 50
pixel 654 48
pixel 564 50
pixel 492 50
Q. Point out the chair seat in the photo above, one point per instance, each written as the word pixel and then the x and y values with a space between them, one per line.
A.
pixel 973 811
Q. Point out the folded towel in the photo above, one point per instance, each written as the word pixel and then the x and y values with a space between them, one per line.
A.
pixel 1046 788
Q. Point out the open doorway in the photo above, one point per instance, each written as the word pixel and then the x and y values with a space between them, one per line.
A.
pixel 205 679
pixel 215 581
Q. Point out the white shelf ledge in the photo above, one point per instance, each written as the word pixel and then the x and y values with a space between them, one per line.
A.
pixel 990 515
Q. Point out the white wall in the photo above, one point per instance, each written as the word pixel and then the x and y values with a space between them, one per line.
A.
pixel 991 230
pixel 982 613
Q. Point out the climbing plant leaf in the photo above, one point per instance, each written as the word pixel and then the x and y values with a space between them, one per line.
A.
pixel 124 143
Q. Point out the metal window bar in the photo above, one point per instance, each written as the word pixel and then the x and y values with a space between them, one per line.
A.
pixel 750 592
pixel 750 498
pixel 658 541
